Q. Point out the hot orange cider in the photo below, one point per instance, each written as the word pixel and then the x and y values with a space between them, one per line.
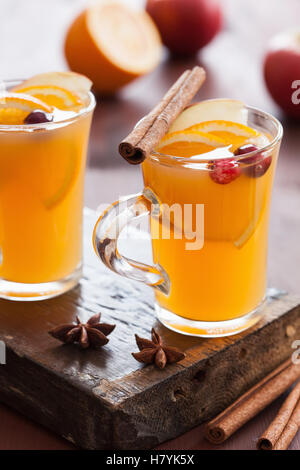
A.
pixel 44 129
pixel 216 163
pixel 208 173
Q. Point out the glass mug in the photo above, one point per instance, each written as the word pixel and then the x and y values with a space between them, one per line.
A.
pixel 42 170
pixel 209 240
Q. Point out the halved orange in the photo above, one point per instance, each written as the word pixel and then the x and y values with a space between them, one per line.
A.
pixel 14 107
pixel 188 143
pixel 112 44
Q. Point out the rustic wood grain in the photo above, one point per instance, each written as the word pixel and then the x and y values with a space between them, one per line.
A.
pixel 106 400
pixel 233 62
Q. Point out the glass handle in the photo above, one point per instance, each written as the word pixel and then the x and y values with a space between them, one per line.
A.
pixel 106 234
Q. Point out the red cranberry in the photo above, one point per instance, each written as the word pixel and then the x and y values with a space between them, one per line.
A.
pixel 224 171
pixel 247 148
pixel 258 164
pixel 37 117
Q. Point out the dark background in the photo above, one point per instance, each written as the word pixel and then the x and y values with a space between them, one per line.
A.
pixel 31 38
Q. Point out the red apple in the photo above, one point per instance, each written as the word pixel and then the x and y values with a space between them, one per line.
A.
pixel 186 25
pixel 282 72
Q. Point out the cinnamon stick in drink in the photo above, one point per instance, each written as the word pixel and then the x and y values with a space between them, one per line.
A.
pixel 252 402
pixel 149 131
pixel 283 429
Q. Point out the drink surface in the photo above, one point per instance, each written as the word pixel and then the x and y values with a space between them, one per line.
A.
pixel 43 142
pixel 226 277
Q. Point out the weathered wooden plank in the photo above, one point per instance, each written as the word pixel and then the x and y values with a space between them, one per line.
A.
pixel 106 399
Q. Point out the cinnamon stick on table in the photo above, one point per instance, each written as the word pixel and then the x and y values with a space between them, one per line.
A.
pixel 149 131
pixel 252 402
pixel 283 429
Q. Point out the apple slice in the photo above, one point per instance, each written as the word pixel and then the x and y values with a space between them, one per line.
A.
pixel 211 110
pixel 71 81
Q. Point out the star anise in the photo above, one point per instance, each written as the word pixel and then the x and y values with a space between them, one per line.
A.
pixel 156 352
pixel 92 333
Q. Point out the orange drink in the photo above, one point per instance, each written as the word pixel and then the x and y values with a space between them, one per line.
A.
pixel 226 278
pixel 42 165
pixel 207 191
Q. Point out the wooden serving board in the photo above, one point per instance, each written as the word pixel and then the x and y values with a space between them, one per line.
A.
pixel 105 399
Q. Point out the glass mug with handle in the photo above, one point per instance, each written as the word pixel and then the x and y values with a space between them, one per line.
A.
pixel 209 217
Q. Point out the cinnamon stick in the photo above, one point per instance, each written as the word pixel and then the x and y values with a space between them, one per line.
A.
pixel 290 430
pixel 252 402
pixel 283 429
pixel 149 131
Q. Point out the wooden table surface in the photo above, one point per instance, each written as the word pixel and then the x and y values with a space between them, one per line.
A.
pixel 31 35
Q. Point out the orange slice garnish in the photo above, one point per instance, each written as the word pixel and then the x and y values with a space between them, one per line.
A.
pixel 14 107
pixel 57 165
pixel 59 180
pixel 188 143
pixel 63 90
pixel 54 96
pixel 232 133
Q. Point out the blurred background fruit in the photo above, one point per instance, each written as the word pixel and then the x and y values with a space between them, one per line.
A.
pixel 112 45
pixel 282 71
pixel 186 25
